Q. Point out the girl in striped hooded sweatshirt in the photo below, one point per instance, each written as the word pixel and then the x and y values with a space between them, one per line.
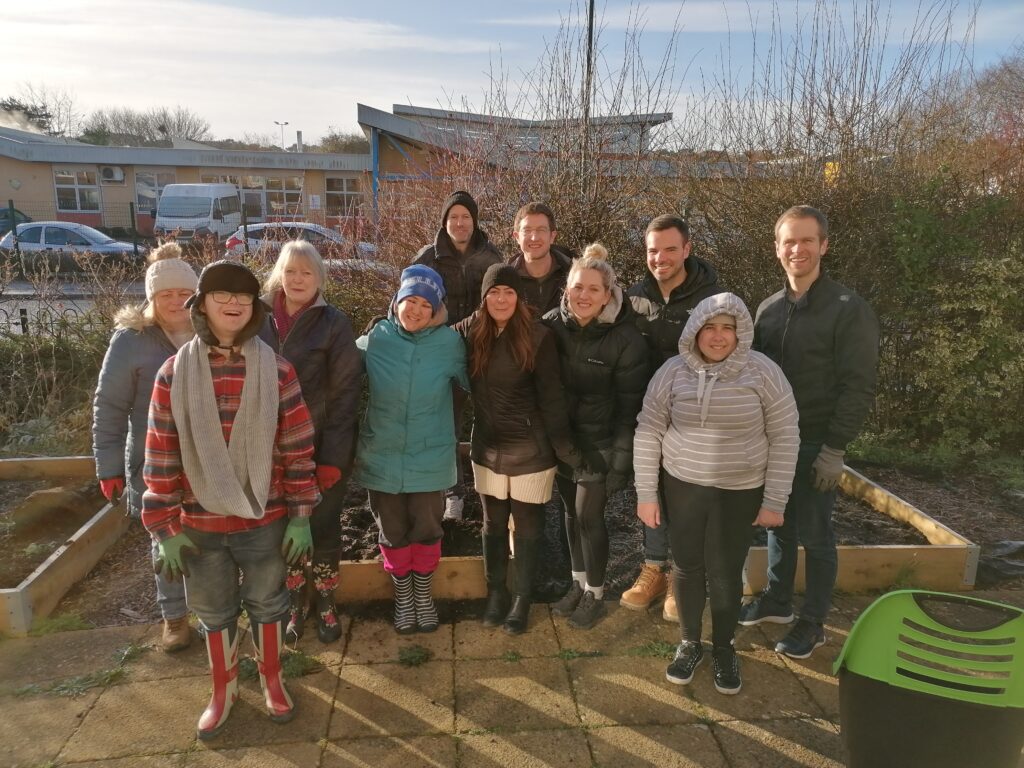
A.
pixel 718 431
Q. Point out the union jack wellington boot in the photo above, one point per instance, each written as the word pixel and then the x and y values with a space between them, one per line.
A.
pixel 222 648
pixel 267 638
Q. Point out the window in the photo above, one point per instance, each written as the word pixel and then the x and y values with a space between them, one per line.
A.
pixel 284 195
pixel 229 205
pixel 149 185
pixel 343 197
pixel 61 236
pixel 76 190
pixel 30 235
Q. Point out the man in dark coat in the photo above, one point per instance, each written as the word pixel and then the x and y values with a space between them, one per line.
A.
pixel 460 254
pixel 675 283
pixel 542 265
pixel 825 338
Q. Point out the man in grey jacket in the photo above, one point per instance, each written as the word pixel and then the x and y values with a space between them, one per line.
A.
pixel 825 338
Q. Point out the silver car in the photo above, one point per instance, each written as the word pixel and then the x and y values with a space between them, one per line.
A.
pixel 266 239
pixel 59 246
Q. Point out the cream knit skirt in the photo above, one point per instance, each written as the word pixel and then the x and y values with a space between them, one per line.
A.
pixel 534 488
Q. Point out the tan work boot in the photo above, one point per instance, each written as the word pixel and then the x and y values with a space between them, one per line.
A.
pixel 176 635
pixel 670 612
pixel 651 584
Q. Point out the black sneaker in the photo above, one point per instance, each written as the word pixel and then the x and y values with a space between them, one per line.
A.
pixel 589 611
pixel 689 655
pixel 762 609
pixel 727 669
pixel 802 639
pixel 569 601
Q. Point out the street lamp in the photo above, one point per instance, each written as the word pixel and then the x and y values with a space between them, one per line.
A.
pixel 282 133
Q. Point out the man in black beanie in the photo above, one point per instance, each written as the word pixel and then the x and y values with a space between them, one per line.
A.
pixel 461 254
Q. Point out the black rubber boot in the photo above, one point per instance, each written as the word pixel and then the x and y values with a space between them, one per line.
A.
pixel 496 573
pixel 525 561
pixel 325 581
pixel 298 599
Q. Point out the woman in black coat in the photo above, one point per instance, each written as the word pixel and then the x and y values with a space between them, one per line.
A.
pixel 317 339
pixel 604 364
pixel 520 433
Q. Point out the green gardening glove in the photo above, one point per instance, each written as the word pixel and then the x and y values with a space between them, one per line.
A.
pixel 298 540
pixel 171 554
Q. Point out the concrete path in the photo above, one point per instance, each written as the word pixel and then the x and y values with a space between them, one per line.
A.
pixel 552 697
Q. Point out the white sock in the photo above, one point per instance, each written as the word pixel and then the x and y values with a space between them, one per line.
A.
pixel 580 577
pixel 598 592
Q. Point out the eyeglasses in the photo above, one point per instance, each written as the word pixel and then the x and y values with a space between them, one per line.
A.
pixel 223 297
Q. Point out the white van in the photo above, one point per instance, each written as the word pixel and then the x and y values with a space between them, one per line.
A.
pixel 198 210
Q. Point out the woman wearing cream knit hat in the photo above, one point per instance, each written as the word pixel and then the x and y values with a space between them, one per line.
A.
pixel 144 337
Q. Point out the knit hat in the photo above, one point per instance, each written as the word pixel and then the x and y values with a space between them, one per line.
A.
pixel 168 271
pixel 421 281
pixel 229 276
pixel 501 274
pixel 464 199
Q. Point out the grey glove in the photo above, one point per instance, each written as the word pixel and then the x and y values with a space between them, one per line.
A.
pixel 827 469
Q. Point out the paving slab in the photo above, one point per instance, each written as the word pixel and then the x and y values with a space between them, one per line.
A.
pixel 374 641
pixel 798 743
pixel 526 749
pixel 475 641
pixel 621 631
pixel 34 728
pixel 418 751
pixel 271 756
pixel 328 654
pixel 62 655
pixel 815 674
pixel 680 746
pixel 154 664
pixel 138 761
pixel 530 694
pixel 393 700
pixel 629 690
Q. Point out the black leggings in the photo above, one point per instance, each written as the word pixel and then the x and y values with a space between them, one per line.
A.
pixel 529 518
pixel 710 531
pixel 585 527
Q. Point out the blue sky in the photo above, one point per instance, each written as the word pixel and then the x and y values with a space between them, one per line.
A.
pixel 243 65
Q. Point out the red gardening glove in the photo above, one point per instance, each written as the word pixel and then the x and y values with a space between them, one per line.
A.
pixel 326 476
pixel 112 488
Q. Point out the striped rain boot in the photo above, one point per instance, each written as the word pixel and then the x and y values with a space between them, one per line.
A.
pixel 426 611
pixel 267 640
pixel 222 649
pixel 405 606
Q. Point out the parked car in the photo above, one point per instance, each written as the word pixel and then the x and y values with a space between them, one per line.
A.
pixel 6 225
pixel 59 246
pixel 266 239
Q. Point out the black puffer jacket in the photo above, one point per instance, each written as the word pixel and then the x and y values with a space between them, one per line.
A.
pixel 605 369
pixel 826 343
pixel 462 274
pixel 662 322
pixel 544 293
pixel 520 423
pixel 322 349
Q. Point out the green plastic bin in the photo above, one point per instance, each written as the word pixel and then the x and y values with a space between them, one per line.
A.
pixel 933 679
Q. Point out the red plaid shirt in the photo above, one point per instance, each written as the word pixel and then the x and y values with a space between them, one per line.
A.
pixel 168 502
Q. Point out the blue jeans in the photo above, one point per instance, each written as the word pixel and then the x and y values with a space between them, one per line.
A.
pixel 808 522
pixel 214 592
pixel 170 595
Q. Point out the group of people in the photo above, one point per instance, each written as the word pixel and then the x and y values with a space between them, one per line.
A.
pixel 726 421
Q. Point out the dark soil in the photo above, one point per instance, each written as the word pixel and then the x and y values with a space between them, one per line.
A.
pixel 119 590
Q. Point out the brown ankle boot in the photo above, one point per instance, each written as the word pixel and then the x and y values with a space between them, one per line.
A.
pixel 176 635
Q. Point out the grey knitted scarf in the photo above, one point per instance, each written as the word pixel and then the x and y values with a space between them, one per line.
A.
pixel 234 478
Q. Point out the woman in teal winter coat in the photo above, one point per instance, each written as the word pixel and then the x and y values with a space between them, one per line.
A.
pixel 406 452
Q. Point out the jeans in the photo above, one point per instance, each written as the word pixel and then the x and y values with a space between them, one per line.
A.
pixel 170 595
pixel 808 522
pixel 214 592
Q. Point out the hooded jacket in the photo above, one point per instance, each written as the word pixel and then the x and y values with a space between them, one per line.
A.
pixel 407 441
pixel 120 406
pixel 544 293
pixel 462 273
pixel 520 420
pixel 729 425
pixel 322 349
pixel 605 369
pixel 661 322
pixel 827 345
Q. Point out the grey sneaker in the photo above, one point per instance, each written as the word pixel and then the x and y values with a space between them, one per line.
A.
pixel 589 611
pixel 569 601
pixel 801 640
pixel 763 610
pixel 689 655
pixel 453 508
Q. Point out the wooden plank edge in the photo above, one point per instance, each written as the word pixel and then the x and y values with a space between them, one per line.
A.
pixel 456 578
pixel 47 466
pixel 855 484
